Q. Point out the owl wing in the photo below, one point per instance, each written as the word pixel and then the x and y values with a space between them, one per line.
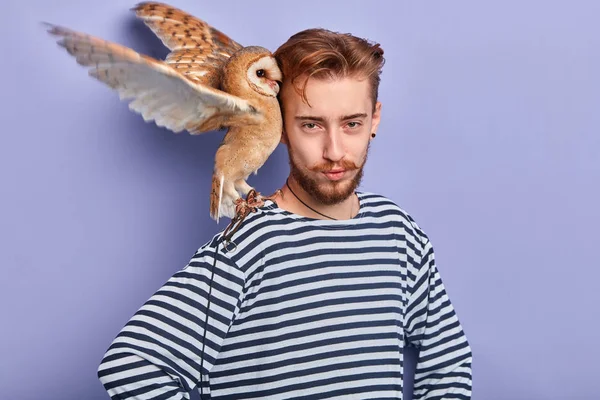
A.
pixel 198 50
pixel 159 92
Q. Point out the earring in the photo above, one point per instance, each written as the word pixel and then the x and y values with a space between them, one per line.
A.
pixel 373 135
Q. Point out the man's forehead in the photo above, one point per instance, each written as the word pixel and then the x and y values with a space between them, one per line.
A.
pixel 341 96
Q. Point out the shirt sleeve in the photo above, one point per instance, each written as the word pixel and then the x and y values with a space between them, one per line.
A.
pixel 159 352
pixel 443 369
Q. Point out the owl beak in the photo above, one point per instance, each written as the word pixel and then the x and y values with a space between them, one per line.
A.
pixel 274 85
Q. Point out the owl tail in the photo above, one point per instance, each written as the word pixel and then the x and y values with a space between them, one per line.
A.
pixel 216 196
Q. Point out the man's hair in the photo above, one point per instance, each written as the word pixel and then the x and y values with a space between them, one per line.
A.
pixel 321 53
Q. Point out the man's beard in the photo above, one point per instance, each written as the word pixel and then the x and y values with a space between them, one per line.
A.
pixel 329 192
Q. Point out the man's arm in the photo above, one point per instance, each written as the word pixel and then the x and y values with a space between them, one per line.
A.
pixel 443 368
pixel 158 354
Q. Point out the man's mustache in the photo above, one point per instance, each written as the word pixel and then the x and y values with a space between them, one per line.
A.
pixel 328 166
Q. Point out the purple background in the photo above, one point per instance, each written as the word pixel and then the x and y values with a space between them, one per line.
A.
pixel 490 139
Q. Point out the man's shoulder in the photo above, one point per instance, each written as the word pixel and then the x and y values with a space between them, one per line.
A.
pixel 381 205
pixel 241 241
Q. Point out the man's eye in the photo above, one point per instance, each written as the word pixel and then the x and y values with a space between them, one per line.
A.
pixel 353 124
pixel 310 126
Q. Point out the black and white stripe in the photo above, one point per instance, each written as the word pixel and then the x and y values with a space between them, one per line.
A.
pixel 302 308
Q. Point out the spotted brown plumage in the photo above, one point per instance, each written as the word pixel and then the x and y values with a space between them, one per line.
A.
pixel 198 49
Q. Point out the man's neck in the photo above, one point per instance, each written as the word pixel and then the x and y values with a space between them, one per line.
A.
pixel 297 201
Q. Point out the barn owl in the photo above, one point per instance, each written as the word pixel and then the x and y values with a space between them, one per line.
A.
pixel 207 82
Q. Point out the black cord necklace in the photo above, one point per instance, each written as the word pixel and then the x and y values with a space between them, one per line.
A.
pixel 300 200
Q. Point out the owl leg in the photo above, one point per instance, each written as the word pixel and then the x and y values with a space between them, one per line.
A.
pixel 230 195
pixel 242 187
pixel 230 191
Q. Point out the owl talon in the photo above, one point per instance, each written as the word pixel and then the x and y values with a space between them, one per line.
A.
pixel 272 197
pixel 253 200
pixel 243 207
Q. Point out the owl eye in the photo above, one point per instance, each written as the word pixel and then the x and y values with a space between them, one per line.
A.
pixel 260 73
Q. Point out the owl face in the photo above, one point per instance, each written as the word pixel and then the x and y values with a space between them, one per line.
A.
pixel 263 76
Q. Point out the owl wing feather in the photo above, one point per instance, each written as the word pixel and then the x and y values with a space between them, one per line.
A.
pixel 198 50
pixel 158 92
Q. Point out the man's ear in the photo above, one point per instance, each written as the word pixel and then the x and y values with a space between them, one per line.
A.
pixel 376 119
pixel 284 139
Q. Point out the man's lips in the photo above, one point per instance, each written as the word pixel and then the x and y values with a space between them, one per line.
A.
pixel 334 174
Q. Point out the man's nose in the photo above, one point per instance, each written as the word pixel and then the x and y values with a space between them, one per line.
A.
pixel 334 149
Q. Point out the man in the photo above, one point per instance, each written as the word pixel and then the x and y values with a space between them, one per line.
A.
pixel 318 292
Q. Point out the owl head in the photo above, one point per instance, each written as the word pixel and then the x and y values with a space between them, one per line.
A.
pixel 251 72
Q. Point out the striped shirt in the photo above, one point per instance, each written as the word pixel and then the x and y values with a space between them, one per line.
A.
pixel 298 308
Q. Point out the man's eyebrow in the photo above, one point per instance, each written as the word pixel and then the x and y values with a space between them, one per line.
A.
pixel 353 116
pixel 309 118
pixel 321 119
